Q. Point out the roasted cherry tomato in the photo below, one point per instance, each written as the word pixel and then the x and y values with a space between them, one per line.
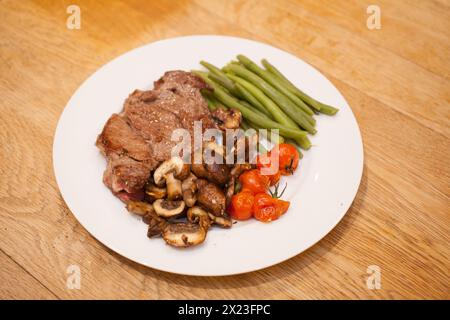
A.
pixel 264 161
pixel 266 208
pixel 288 158
pixel 254 181
pixel 241 205
pixel 282 206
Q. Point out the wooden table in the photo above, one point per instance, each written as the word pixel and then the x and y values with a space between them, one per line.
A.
pixel 396 79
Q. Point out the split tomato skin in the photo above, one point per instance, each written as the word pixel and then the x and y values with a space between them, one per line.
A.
pixel 266 208
pixel 282 206
pixel 241 205
pixel 264 161
pixel 254 181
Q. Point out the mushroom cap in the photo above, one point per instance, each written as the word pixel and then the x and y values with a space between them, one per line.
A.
pixel 184 234
pixel 168 208
pixel 174 165
pixel 139 207
pixel 195 213
pixel 224 221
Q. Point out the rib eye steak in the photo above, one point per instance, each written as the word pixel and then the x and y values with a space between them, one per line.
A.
pixel 138 139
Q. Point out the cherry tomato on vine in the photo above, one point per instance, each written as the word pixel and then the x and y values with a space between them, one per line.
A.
pixel 288 158
pixel 241 205
pixel 266 208
pixel 264 161
pixel 254 181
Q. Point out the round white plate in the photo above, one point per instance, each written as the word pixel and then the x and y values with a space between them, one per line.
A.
pixel 320 192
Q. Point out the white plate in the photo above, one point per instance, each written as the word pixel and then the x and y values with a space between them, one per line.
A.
pixel 320 192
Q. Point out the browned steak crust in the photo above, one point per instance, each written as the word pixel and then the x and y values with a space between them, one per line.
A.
pixel 138 139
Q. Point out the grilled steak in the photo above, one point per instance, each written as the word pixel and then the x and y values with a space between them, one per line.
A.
pixel 139 138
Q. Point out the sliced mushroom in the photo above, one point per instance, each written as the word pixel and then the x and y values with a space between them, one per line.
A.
pixel 189 188
pixel 139 207
pixel 153 192
pixel 155 223
pixel 223 221
pixel 174 165
pixel 210 197
pixel 229 191
pixel 185 234
pixel 168 208
pixel 173 187
pixel 194 214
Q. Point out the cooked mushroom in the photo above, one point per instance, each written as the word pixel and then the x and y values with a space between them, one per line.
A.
pixel 210 197
pixel 215 172
pixel 224 221
pixel 215 147
pixel 248 144
pixel 173 187
pixel 139 207
pixel 189 188
pixel 184 234
pixel 168 208
pixel 227 119
pixel 155 223
pixel 240 168
pixel 174 165
pixel 153 192
pixel 218 173
pixel 194 214
pixel 229 191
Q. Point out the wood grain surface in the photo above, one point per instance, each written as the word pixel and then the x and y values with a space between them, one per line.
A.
pixel 396 79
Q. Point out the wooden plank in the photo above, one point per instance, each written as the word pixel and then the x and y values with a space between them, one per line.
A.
pixel 401 20
pixel 17 283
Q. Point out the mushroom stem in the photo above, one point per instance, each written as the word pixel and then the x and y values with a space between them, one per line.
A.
pixel 173 187
pixel 189 188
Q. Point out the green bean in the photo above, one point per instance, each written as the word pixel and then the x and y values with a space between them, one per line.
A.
pixel 251 99
pixel 327 109
pixel 279 138
pixel 245 125
pixel 220 80
pixel 249 114
pixel 273 70
pixel 284 120
pixel 213 104
pixel 275 82
pixel 274 110
pixel 248 105
pixel 287 105
pixel 219 75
